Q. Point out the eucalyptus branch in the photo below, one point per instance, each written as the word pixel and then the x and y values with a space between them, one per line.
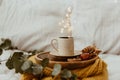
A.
pixel 19 61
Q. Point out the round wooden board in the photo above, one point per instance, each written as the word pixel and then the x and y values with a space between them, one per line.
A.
pixel 65 64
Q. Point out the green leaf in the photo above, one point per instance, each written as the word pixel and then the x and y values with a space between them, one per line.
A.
pixel 1 51
pixel 37 69
pixel 13 59
pixel 56 69
pixel 9 64
pixel 17 55
pixel 24 57
pixel 34 51
pixel 17 65
pixel 45 62
pixel 6 44
pixel 66 74
pixel 27 66
pixel 74 77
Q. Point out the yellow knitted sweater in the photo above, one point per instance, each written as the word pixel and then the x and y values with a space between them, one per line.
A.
pixel 95 71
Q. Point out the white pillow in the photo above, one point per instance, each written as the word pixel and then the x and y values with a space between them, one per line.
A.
pixel 98 21
pixel 31 24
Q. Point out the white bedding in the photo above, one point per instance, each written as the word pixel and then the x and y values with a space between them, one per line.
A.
pixel 32 24
pixel 113 62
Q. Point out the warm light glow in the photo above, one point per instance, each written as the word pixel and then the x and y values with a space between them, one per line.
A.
pixel 66 23
pixel 69 32
pixel 69 9
pixel 62 30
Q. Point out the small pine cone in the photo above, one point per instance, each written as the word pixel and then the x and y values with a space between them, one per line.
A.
pixel 89 49
pixel 92 55
pixel 47 71
pixel 97 51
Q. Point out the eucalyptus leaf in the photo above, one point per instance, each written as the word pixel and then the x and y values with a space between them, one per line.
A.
pixel 17 55
pixel 37 69
pixel 34 51
pixel 66 74
pixel 27 66
pixel 24 57
pixel 6 44
pixel 9 64
pixel 45 62
pixel 1 51
pixel 56 69
pixel 17 65
pixel 74 77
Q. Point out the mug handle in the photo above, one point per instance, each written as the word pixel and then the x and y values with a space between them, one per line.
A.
pixel 52 43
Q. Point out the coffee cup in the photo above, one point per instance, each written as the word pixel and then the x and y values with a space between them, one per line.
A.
pixel 65 46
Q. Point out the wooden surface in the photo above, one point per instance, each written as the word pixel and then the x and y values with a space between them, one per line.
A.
pixel 65 64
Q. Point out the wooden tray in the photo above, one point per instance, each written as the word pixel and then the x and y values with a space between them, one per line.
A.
pixel 63 61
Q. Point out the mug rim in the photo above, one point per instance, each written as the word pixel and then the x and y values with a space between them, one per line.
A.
pixel 65 37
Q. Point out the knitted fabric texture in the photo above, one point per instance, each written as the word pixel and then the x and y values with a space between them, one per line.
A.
pixel 95 71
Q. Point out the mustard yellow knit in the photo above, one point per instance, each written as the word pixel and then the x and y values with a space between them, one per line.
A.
pixel 96 71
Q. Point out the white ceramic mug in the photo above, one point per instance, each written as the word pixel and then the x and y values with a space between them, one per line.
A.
pixel 65 46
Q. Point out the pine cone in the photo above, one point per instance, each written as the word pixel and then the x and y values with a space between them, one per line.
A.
pixel 97 51
pixel 92 50
pixel 89 49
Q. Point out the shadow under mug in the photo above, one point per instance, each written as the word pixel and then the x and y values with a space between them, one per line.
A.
pixel 65 46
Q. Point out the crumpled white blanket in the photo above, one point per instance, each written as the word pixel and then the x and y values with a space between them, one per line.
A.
pixel 111 60
pixel 93 21
pixel 5 73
